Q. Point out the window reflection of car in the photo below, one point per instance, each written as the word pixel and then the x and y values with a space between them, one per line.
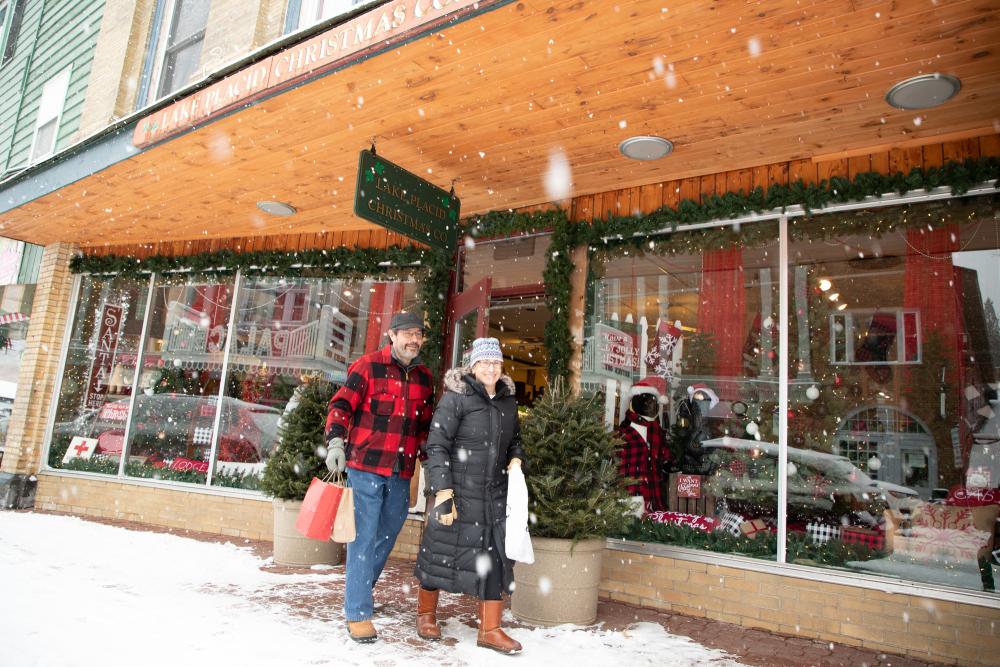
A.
pixel 170 425
pixel 818 483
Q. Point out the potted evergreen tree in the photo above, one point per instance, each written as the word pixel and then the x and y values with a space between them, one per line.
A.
pixel 576 499
pixel 298 458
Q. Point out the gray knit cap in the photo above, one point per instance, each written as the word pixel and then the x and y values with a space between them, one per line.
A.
pixel 485 348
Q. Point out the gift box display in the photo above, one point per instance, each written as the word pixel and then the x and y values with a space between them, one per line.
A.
pixel 869 537
pixel 822 532
pixel 730 522
pixel 753 528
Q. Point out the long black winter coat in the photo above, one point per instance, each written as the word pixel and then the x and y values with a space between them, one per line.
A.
pixel 471 441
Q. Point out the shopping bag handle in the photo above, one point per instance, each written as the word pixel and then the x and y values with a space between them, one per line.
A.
pixel 337 477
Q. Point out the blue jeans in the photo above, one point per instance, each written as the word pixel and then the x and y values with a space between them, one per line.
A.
pixel 380 505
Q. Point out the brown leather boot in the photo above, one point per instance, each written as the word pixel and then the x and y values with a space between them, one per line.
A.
pixel 490 634
pixel 427 624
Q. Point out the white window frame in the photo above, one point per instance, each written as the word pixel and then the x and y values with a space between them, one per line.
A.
pixel 312 12
pixel 8 10
pixel 51 105
pixel 847 337
pixel 163 45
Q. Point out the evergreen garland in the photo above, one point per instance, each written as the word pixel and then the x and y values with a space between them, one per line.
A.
pixel 800 548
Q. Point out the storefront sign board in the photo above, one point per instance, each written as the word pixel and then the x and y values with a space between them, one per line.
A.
pixel 396 199
pixel 381 27
pixel 107 343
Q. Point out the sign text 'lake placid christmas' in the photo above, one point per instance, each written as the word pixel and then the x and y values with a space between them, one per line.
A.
pixel 392 197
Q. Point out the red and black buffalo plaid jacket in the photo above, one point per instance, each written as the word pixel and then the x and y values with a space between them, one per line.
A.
pixel 383 411
pixel 642 460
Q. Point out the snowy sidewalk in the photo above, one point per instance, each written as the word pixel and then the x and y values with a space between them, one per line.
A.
pixel 82 593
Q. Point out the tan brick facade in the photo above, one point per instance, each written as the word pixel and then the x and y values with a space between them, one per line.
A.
pixel 236 28
pixel 921 627
pixel 252 518
pixel 118 59
pixel 40 362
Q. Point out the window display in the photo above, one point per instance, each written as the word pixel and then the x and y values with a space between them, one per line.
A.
pixel 287 329
pixel 698 334
pixel 92 408
pixel 898 381
pixel 893 343
pixel 173 424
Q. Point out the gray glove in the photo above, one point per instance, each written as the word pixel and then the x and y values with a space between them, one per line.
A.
pixel 336 457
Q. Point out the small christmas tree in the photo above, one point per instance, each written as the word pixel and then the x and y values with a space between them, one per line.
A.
pixel 572 468
pixel 301 451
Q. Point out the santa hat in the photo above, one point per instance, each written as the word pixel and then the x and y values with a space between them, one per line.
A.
pixel 701 391
pixel 656 386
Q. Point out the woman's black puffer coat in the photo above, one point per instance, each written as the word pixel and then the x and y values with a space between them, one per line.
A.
pixel 471 441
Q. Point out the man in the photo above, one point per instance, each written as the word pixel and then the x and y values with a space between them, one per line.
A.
pixel 376 427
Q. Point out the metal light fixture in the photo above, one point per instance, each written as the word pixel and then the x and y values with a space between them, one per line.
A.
pixel 645 147
pixel 276 208
pixel 924 91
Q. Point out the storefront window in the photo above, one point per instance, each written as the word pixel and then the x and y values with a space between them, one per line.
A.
pixel 697 331
pixel 172 427
pixel 92 408
pixel 287 329
pixel 895 352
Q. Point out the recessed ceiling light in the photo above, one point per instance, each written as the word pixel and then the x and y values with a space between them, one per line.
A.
pixel 645 147
pixel 924 91
pixel 276 208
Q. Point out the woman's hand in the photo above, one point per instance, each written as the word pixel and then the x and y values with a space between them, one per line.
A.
pixel 444 507
pixel 514 462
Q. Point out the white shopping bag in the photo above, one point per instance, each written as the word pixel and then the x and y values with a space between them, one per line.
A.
pixel 517 543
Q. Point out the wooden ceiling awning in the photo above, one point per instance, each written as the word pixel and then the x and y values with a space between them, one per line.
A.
pixel 487 103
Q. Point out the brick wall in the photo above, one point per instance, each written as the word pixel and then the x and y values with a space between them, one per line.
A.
pixel 939 630
pixel 117 67
pixel 235 28
pixel 40 361
pixel 252 518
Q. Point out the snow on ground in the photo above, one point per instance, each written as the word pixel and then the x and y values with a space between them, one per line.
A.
pixel 79 593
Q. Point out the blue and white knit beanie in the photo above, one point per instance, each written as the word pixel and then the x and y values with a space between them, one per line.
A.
pixel 485 348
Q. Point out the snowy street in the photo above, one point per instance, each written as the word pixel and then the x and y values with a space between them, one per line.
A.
pixel 82 593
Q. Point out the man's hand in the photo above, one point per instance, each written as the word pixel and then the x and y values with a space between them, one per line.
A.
pixel 514 462
pixel 444 507
pixel 336 457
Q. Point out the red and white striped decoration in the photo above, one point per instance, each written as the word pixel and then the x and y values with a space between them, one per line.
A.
pixel 7 318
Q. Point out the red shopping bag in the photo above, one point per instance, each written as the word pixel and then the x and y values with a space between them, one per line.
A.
pixel 319 509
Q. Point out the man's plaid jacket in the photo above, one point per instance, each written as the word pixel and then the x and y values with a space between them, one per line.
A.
pixel 383 412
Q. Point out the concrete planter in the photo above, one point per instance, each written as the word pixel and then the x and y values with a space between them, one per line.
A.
pixel 291 548
pixel 559 587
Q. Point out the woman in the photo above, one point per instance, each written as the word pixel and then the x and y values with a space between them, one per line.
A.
pixel 474 440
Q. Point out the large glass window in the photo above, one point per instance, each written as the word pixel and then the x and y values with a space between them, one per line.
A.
pixel 172 427
pixel 287 329
pixel 92 408
pixel 698 331
pixel 895 352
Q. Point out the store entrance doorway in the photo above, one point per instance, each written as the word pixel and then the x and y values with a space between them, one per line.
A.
pixel 519 323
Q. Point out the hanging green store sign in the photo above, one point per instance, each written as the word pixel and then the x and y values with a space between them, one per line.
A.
pixel 392 197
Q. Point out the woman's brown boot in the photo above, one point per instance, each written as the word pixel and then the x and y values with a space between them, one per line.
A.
pixel 490 634
pixel 427 625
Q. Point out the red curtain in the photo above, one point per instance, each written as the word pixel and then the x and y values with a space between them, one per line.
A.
pixel 722 308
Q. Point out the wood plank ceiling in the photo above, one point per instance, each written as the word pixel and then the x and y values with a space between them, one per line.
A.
pixel 489 101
